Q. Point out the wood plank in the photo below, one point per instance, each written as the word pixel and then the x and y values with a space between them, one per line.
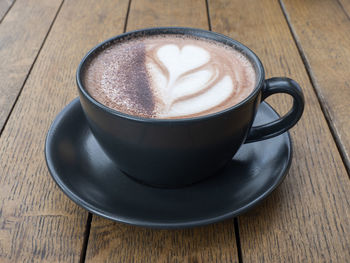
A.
pixel 322 29
pixel 112 242
pixel 5 5
pixel 152 13
pixel 38 223
pixel 22 33
pixel 308 218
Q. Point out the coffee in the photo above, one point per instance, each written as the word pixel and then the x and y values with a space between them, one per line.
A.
pixel 169 76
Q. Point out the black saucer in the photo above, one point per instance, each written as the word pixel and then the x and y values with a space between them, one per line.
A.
pixel 93 181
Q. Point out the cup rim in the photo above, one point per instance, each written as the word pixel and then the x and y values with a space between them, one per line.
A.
pixel 201 33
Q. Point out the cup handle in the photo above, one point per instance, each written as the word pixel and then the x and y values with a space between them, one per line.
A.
pixel 277 127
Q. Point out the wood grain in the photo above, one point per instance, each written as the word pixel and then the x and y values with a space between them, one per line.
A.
pixel 151 13
pixel 322 30
pixel 113 242
pixel 38 223
pixel 21 34
pixel 308 218
pixel 5 5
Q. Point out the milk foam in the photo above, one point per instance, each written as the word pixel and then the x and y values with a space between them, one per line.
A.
pixel 185 78
pixel 169 77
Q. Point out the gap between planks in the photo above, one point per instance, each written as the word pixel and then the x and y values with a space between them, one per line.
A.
pixel 312 79
pixel 6 12
pixel 30 69
pixel 86 238
pixel 208 14
pixel 343 8
pixel 238 239
pixel 127 17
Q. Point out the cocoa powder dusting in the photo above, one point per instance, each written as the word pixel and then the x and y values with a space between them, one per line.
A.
pixel 118 79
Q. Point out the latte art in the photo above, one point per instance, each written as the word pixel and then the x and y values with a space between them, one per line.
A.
pixel 169 77
pixel 188 80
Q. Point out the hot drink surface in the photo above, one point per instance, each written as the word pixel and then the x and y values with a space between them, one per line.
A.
pixel 169 76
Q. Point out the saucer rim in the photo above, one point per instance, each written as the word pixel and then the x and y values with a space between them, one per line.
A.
pixel 147 223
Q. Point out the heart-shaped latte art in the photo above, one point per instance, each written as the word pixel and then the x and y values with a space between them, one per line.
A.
pixel 179 61
pixel 184 80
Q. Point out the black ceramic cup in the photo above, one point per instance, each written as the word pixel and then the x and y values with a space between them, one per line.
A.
pixel 177 152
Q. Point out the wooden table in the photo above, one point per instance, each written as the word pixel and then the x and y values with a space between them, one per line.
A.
pixel 307 219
